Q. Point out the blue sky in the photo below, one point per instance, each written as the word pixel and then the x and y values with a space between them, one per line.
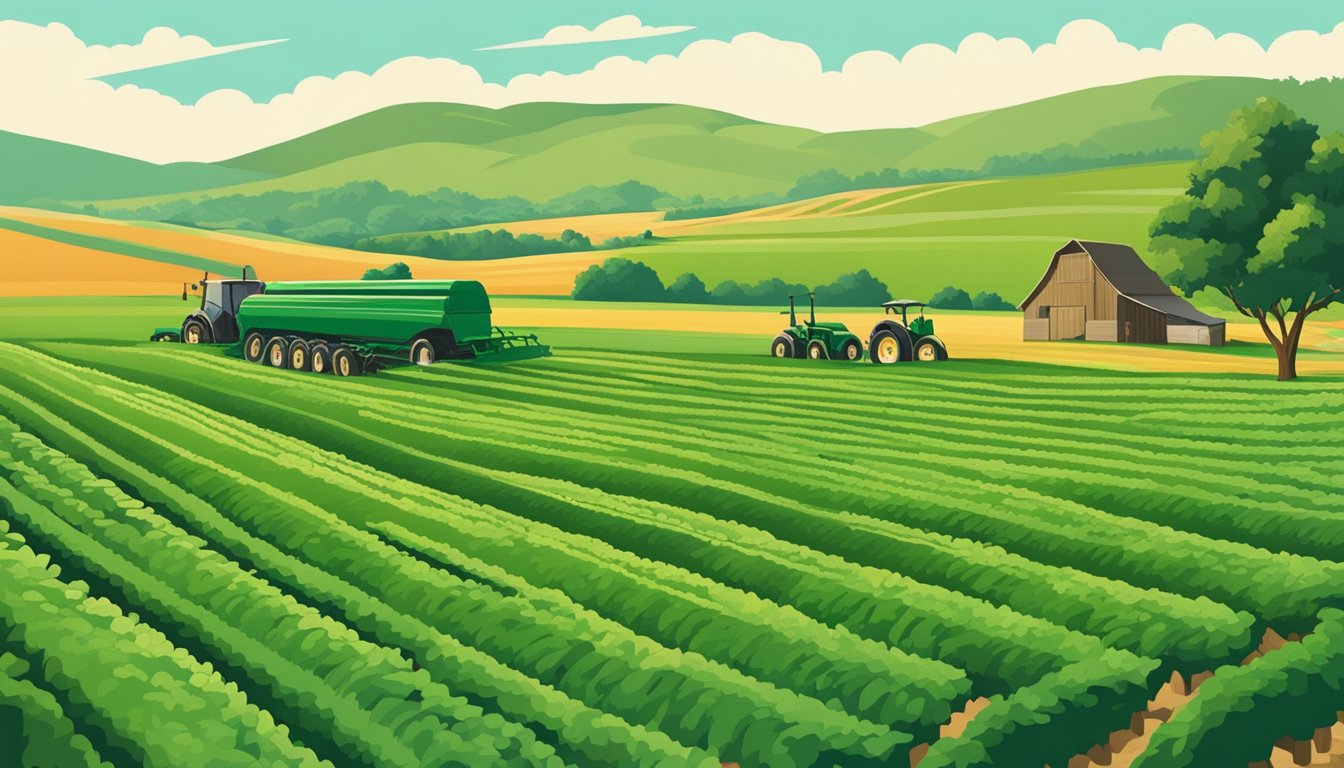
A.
pixel 333 36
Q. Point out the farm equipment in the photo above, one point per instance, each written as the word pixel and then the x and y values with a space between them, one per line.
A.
pixel 900 341
pixel 348 327
pixel 816 341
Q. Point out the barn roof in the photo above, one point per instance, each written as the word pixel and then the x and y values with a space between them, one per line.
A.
pixel 1130 276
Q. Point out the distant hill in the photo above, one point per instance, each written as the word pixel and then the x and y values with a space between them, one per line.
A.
pixel 38 168
pixel 539 151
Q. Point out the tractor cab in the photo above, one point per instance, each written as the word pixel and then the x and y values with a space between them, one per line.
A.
pixel 909 339
pixel 216 322
pixel 922 326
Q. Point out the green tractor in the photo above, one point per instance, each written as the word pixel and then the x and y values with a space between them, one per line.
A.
pixel 816 341
pixel 901 341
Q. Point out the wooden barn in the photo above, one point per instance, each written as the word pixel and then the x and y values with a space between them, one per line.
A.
pixel 1104 292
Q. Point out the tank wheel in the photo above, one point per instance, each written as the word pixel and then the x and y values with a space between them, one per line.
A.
pixel 344 362
pixel 927 351
pixel 300 355
pixel 254 347
pixel 885 348
pixel 782 346
pixel 276 354
pixel 195 332
pixel 817 351
pixel 422 352
pixel 852 350
pixel 319 356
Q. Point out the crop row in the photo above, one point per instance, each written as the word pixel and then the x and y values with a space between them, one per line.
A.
pixel 1188 630
pixel 149 701
pixel 325 680
pixel 1242 711
pixel 609 665
pixel 49 736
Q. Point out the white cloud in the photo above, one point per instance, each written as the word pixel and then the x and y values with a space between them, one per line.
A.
pixel 27 49
pixel 619 28
pixel 45 91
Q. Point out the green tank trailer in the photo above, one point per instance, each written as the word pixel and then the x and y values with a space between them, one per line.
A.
pixel 348 327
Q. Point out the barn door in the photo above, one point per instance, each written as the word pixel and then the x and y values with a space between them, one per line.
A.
pixel 1068 322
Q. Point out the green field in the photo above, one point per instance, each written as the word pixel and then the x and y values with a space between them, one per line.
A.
pixel 616 558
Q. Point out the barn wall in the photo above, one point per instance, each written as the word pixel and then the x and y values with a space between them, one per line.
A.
pixel 1188 334
pixel 1218 335
pixel 1069 283
pixel 1139 324
pixel 1100 330
pixel 1104 298
pixel 1035 330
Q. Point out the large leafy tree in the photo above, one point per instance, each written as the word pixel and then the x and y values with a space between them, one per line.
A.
pixel 1263 223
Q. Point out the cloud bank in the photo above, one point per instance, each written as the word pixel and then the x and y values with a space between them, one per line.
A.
pixel 45 88
pixel 619 28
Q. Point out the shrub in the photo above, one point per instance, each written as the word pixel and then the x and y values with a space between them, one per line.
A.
pixel 856 289
pixel 688 289
pixel 951 298
pixel 618 279
pixel 990 301
pixel 395 271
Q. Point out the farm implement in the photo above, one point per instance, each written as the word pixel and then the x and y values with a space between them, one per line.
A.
pixel 349 327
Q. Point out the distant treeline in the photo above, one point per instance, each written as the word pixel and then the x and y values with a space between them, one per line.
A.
pixel 955 298
pixel 489 244
pixel 359 213
pixel 618 279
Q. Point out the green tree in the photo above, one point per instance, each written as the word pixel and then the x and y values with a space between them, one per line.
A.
pixel 1262 223
pixel 990 301
pixel 397 271
pixel 951 297
pixel 618 279
pixel 688 289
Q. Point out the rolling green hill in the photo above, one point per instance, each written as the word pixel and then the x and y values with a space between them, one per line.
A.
pixel 38 168
pixel 538 151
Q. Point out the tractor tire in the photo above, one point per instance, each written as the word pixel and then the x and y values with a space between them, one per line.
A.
pixel 300 355
pixel 319 356
pixel 195 332
pixel 423 352
pixel 817 351
pixel 254 347
pixel 928 350
pixel 851 351
pixel 885 348
pixel 277 352
pixel 783 346
pixel 344 361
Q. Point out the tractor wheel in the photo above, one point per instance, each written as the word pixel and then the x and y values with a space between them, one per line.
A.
pixel 885 348
pixel 319 356
pixel 195 332
pixel 253 347
pixel 927 351
pixel 422 352
pixel 782 346
pixel 852 350
pixel 344 362
pixel 277 352
pixel 300 355
pixel 817 351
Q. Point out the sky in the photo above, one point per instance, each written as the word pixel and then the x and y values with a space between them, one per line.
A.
pixel 166 80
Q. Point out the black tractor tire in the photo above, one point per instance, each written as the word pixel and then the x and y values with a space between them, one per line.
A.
pixel 254 347
pixel 195 332
pixel 817 351
pixel 851 350
pixel 276 352
pixel 928 350
pixel 300 355
pixel 423 352
pixel 783 346
pixel 344 361
pixel 884 348
pixel 319 356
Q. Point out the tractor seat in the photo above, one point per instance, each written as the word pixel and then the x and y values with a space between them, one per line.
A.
pixel 921 326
